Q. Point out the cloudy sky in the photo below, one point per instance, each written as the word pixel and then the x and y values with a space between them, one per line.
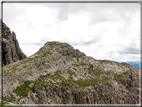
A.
pixel 102 30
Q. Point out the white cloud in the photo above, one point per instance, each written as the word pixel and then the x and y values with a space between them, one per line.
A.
pixel 103 31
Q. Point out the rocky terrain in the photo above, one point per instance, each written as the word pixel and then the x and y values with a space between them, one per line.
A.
pixel 11 51
pixel 60 74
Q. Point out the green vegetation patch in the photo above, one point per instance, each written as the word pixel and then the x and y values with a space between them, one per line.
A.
pixel 106 61
pixel 119 77
pixel 91 67
pixel 82 83
pixel 43 53
pixel 23 89
pixel 126 72
pixel 6 104
pixel 39 83
pixel 77 59
pixel 5 72
pixel 107 72
pixel 97 71
pixel 53 42
pixel 58 72
pixel 86 82
pixel 62 45
pixel 64 62
pixel 71 73
pixel 96 81
pixel 68 83
pixel 14 66
pixel 79 64
pixel 50 80
pixel 43 80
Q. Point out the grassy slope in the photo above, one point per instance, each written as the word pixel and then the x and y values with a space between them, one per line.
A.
pixel 6 104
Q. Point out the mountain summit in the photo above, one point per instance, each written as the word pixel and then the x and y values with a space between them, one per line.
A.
pixel 60 74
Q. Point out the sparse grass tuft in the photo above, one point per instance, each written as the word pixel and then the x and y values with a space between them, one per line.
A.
pixel 58 72
pixel 77 59
pixel 119 77
pixel 53 42
pixel 14 66
pixel 23 89
pixel 97 71
pixel 5 104
pixel 64 62
pixel 106 61
pixel 90 67
pixel 71 73
pixel 126 72
pixel 107 72
pixel 79 64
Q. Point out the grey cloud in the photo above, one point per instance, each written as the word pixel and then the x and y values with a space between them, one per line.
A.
pixel 10 12
pixel 114 12
pixel 30 43
pixel 63 8
pixel 63 15
pixel 41 41
pixel 99 12
pixel 129 50
pixel 93 41
pixel 63 12
pixel 38 44
pixel 83 43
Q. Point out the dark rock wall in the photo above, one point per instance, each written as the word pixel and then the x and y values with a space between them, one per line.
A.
pixel 11 51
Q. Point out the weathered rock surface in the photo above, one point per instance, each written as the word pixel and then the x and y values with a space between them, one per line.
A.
pixel 103 93
pixel 60 74
pixel 11 51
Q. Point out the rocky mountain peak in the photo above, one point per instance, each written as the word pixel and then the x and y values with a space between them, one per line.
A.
pixel 60 74
pixel 62 48
pixel 11 51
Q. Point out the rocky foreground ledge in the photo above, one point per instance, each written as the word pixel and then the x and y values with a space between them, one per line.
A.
pixel 60 74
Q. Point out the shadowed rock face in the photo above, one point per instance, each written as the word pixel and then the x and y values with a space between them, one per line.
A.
pixel 11 51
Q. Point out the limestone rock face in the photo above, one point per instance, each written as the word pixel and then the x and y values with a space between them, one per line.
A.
pixel 11 51
pixel 103 93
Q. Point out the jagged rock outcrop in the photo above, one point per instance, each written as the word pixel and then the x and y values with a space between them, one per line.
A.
pixel 60 74
pixel 11 51
pixel 103 93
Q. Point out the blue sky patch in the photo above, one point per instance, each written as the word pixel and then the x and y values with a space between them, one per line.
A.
pixel 101 45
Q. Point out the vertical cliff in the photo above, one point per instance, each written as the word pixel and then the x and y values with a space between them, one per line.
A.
pixel 11 51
